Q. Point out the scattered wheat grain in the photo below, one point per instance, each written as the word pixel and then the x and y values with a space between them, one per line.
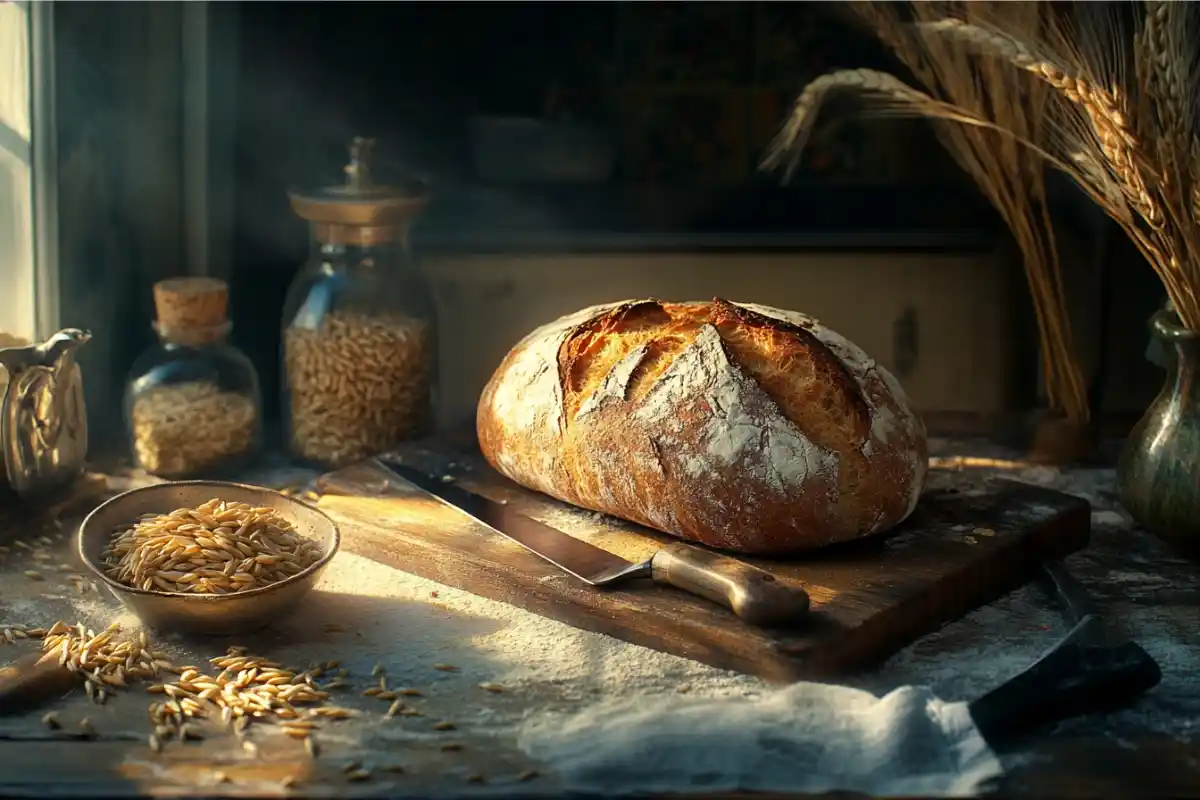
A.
pixel 333 712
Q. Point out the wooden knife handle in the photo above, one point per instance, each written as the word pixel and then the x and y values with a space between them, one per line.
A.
pixel 32 680
pixel 755 595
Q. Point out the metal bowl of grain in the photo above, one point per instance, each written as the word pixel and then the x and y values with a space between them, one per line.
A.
pixel 207 557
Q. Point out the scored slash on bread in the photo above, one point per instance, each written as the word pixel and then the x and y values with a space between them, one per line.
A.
pixel 738 426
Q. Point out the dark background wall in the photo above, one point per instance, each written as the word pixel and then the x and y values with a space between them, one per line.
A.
pixel 689 92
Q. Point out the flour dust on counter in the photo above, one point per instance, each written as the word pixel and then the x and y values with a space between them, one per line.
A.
pixel 464 671
pixel 1143 589
pixel 486 677
pixel 867 601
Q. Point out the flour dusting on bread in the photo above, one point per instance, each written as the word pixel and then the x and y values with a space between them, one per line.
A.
pixel 884 421
pixel 760 441
pixel 529 399
pixel 861 366
pixel 616 383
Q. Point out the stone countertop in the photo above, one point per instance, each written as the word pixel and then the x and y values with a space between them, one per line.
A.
pixel 368 614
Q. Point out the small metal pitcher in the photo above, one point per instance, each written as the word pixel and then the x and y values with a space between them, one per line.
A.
pixel 43 422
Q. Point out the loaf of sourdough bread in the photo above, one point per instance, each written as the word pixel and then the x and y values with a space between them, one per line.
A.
pixel 738 426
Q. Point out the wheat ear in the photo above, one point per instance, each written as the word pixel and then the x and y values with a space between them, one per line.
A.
pixel 1161 69
pixel 1104 107
pixel 790 141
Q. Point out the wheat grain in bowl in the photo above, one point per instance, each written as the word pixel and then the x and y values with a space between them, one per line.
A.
pixel 218 547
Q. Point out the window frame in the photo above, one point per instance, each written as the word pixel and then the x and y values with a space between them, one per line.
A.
pixel 38 153
pixel 206 151
pixel 47 296
pixel 17 272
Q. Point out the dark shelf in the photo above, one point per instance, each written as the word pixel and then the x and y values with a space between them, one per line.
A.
pixel 606 218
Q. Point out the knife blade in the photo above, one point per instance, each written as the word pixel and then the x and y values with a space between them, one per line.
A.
pixel 1093 668
pixel 753 594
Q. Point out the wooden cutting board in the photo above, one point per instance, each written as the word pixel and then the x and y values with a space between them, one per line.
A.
pixel 971 540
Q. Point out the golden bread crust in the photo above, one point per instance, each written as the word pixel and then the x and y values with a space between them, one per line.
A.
pixel 739 426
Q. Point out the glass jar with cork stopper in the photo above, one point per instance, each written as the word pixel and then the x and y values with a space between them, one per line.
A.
pixel 359 323
pixel 193 404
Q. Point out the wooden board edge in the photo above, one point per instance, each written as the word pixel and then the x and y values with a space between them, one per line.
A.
pixel 982 583
pixel 586 609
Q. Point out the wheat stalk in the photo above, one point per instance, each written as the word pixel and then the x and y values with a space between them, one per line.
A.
pixel 1136 160
pixel 1106 108
pixel 894 93
pixel 1121 117
pixel 1161 73
pixel 790 141
pixel 1161 130
pixel 1009 175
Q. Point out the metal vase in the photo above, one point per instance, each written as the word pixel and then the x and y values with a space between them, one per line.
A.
pixel 1158 475
pixel 43 424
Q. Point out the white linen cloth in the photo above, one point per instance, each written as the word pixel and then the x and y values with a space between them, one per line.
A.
pixel 807 737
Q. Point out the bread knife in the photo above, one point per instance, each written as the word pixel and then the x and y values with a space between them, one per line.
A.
pixel 1093 668
pixel 753 594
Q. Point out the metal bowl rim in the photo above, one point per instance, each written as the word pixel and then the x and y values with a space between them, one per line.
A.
pixel 206 598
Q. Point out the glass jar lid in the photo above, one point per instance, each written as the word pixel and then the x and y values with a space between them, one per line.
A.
pixel 361 201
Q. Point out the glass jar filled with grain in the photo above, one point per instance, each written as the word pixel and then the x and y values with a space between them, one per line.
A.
pixel 359 323
pixel 193 403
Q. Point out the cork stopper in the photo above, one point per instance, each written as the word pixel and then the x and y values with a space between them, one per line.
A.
pixel 192 311
pixel 185 303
